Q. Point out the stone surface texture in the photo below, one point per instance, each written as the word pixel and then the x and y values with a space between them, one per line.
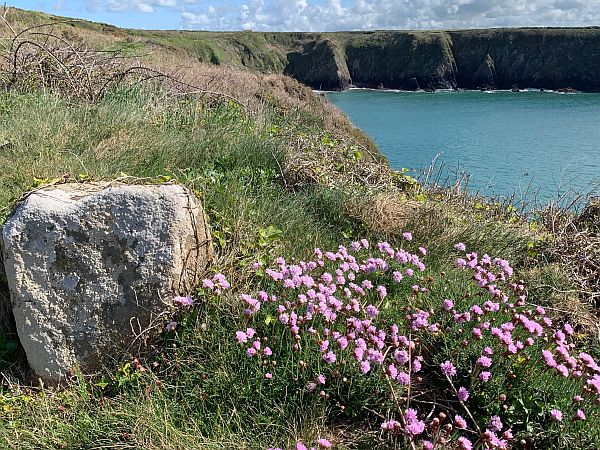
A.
pixel 89 266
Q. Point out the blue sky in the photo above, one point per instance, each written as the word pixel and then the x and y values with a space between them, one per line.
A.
pixel 323 15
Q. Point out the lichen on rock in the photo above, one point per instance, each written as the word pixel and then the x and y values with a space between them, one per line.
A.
pixel 91 266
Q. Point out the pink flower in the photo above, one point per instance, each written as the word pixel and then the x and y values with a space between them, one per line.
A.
pixel 241 336
pixel 427 445
pixel 407 236
pixel 484 361
pixel 463 394
pixel 460 422
pixel 411 415
pixel 448 368
pixel 485 376
pixel 365 367
pixel 321 379
pixel 579 415
pixel 415 428
pixel 184 301
pixel 423 250
pixel 496 423
pixel 324 443
pixel 460 247
pixel 268 376
pixel 403 378
pixel 330 357
pixel 390 425
pixel 556 415
pixel 267 351
pixel 300 446
pixel 464 443
pixel 448 304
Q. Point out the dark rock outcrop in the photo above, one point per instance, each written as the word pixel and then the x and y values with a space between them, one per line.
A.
pixel 554 58
pixel 320 65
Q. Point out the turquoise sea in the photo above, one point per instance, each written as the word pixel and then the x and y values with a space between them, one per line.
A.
pixel 537 145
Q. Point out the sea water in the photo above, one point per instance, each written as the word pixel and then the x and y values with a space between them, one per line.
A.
pixel 530 144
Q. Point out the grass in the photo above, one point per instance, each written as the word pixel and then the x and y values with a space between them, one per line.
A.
pixel 202 394
pixel 277 177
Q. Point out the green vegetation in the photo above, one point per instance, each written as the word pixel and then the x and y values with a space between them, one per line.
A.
pixel 279 174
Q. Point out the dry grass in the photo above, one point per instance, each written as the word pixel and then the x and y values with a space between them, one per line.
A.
pixel 576 247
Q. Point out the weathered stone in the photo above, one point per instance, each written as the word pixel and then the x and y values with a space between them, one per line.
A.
pixel 91 266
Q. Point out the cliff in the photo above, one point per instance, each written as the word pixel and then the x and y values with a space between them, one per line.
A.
pixel 549 58
pixel 470 59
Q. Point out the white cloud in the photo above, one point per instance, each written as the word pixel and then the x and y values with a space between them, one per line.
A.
pixel 144 7
pixel 333 15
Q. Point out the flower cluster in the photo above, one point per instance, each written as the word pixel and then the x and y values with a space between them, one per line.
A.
pixel 332 305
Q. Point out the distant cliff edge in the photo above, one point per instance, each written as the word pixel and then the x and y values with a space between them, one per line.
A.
pixel 548 58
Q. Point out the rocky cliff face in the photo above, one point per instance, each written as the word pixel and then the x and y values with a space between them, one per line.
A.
pixel 320 65
pixel 470 59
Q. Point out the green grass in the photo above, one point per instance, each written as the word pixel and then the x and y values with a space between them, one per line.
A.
pixel 202 394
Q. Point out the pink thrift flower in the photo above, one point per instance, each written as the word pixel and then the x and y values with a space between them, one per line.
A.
pixel 460 422
pixel 484 361
pixel 300 446
pixel 427 445
pixel 448 368
pixel 460 247
pixel 403 378
pixel 407 236
pixel 241 336
pixel 268 376
pixel 556 415
pixel 579 415
pixel 448 304
pixel 208 284
pixel 485 376
pixel 321 379
pixel 415 428
pixel 184 301
pixel 324 443
pixel 390 425
pixel 365 367
pixel 463 394
pixel 562 370
pixel 330 357
pixel 411 415
pixel 464 443
pixel 496 423
pixel 423 250
pixel 267 351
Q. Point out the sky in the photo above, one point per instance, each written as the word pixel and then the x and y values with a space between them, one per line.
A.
pixel 323 15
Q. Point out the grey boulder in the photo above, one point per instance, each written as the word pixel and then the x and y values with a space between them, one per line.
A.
pixel 93 269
